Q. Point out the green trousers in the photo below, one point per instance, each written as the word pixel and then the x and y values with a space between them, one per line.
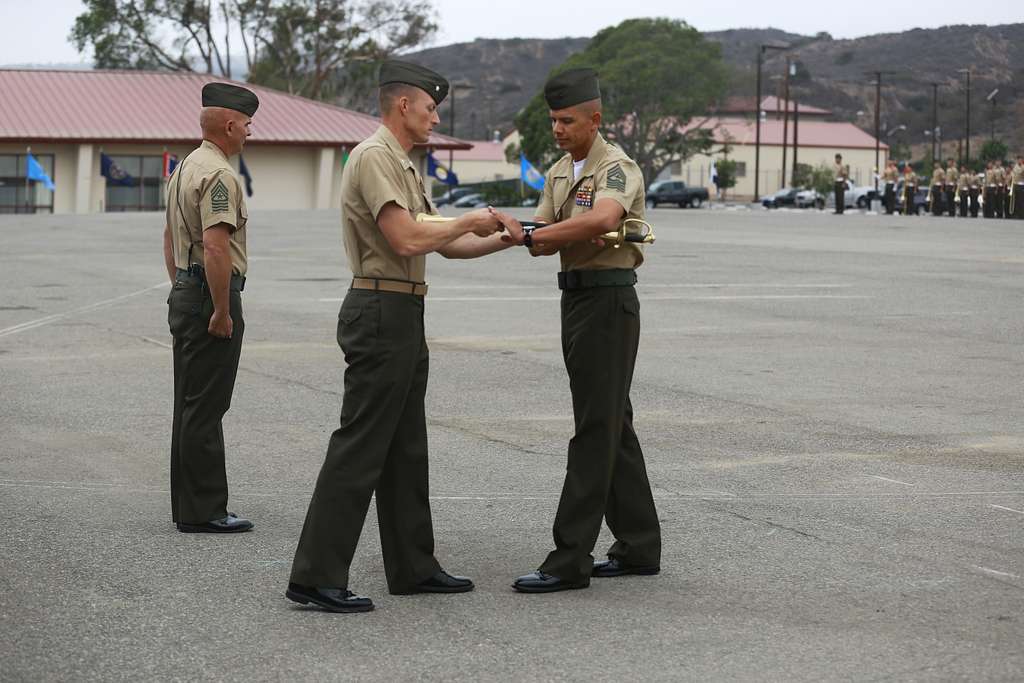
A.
pixel 605 476
pixel 380 447
pixel 204 378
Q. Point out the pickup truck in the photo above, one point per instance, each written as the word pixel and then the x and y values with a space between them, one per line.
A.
pixel 675 192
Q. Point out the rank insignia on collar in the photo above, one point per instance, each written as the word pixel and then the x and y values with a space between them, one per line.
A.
pixel 585 196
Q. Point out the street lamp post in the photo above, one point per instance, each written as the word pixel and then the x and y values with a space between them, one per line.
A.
pixel 967 123
pixel 935 117
pixel 455 87
pixel 878 114
pixel 761 49
pixel 992 98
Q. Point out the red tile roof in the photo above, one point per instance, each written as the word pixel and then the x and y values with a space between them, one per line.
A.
pixel 745 105
pixel 147 107
pixel 832 134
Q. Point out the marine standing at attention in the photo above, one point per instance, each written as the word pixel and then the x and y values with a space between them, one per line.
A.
pixel 381 445
pixel 205 255
pixel 592 190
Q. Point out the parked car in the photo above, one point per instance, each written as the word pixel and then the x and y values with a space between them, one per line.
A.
pixel 453 195
pixel 854 196
pixel 675 192
pixel 806 199
pixel 784 197
pixel 470 201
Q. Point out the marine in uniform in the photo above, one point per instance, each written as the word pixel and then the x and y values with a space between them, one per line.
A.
pixel 952 177
pixel 842 173
pixel 205 255
pixel 909 189
pixel 890 176
pixel 938 188
pixel 963 191
pixel 1017 190
pixel 999 176
pixel 975 187
pixel 380 446
pixel 989 191
pixel 592 190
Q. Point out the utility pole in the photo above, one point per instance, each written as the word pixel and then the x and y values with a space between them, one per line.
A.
pixel 785 118
pixel 761 49
pixel 935 118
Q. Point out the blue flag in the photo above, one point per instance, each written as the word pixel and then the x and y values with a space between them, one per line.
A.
pixel 243 170
pixel 440 172
pixel 114 174
pixel 530 175
pixel 34 171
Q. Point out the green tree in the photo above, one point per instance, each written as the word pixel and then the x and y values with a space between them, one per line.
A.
pixel 296 45
pixel 658 79
pixel 726 170
pixel 993 150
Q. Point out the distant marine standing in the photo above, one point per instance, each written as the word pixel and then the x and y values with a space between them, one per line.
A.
pixel 206 259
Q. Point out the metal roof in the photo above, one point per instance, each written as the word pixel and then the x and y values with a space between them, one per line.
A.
pixel 832 134
pixel 163 107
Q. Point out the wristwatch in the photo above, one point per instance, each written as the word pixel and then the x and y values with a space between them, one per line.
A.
pixel 528 237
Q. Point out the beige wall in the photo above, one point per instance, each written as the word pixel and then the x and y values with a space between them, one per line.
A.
pixel 482 171
pixel 284 177
pixel 696 170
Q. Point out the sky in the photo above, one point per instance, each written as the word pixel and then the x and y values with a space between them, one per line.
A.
pixel 36 32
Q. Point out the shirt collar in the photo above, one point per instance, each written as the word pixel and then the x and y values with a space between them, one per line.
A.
pixel 391 142
pixel 215 149
pixel 597 151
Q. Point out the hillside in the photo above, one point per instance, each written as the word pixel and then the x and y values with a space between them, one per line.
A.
pixel 831 73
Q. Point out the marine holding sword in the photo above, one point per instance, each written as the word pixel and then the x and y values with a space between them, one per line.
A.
pixel 591 191
pixel 380 446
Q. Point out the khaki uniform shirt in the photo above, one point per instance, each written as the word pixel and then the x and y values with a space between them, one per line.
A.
pixel 938 177
pixel 964 182
pixel 1018 174
pixel 889 175
pixel 999 175
pixel 990 176
pixel 952 175
pixel 607 174
pixel 378 172
pixel 204 191
pixel 910 178
pixel 842 172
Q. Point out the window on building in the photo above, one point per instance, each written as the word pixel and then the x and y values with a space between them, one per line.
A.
pixel 145 193
pixel 19 195
pixel 741 169
pixel 676 168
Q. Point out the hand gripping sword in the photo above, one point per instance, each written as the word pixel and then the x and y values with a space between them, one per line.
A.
pixel 615 238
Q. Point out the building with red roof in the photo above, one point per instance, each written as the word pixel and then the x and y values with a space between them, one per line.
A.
pixel 69 120
pixel 818 140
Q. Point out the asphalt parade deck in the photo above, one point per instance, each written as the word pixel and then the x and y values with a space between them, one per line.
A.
pixel 830 409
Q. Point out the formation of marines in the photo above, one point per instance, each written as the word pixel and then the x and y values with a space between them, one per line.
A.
pixel 997 192
pixel 379 449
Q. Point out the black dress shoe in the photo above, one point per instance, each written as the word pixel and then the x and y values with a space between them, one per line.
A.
pixel 443 582
pixel 539 582
pixel 330 599
pixel 226 525
pixel 613 567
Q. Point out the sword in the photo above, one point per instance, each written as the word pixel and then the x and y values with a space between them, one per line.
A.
pixel 615 238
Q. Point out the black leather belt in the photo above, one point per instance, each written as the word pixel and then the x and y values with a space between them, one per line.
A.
pixel 196 277
pixel 584 279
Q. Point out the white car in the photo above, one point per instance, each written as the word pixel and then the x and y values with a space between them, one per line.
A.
pixel 859 197
pixel 806 199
